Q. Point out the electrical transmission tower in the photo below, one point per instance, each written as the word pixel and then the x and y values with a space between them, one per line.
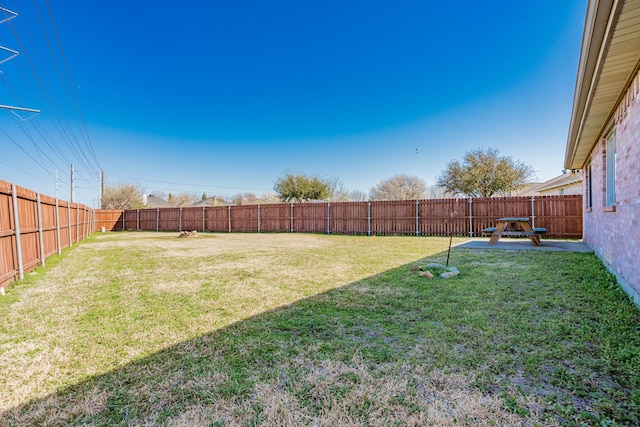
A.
pixel 8 16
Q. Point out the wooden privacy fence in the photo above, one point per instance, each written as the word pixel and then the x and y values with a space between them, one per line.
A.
pixel 34 227
pixel 561 215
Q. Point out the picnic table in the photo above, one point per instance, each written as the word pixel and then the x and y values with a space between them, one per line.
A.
pixel 519 227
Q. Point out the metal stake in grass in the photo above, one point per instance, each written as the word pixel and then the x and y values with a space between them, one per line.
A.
pixel 451 232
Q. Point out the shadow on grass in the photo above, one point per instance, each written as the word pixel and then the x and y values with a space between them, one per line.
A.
pixel 517 338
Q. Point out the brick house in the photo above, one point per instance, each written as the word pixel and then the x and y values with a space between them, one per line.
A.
pixel 604 136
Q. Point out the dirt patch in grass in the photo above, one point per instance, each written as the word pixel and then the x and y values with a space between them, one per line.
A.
pixel 207 244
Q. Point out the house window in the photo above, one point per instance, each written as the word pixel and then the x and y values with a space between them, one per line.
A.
pixel 589 198
pixel 611 170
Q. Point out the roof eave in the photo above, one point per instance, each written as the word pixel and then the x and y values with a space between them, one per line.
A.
pixel 608 62
pixel 593 41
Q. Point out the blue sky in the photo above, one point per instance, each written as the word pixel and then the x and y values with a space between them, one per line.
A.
pixel 224 97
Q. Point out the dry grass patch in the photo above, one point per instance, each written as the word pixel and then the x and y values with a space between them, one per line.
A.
pixel 147 329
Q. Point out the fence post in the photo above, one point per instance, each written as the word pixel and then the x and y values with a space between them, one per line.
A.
pixel 69 224
pixel 16 223
pixel 229 218
pixel 157 219
pixel 180 223
pixel 470 217
pixel 368 218
pixel 203 215
pixel 292 217
pixel 138 219
pixel 417 218
pixel 533 216
pixel 77 223
pixel 329 218
pixel 258 217
pixel 40 231
pixel 58 227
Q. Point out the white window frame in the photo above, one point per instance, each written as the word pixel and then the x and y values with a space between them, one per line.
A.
pixel 589 195
pixel 610 170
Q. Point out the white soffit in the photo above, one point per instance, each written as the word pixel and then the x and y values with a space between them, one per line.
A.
pixel 608 63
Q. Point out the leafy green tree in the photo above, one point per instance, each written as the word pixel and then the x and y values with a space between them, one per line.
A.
pixel 484 174
pixel 400 187
pixel 300 187
pixel 122 196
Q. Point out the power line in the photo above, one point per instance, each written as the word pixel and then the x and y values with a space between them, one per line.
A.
pixel 66 119
pixel 73 91
pixel 9 15
pixel 83 157
pixel 62 125
pixel 16 167
pixel 10 138
pixel 197 185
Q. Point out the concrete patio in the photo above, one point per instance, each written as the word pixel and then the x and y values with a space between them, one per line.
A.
pixel 525 245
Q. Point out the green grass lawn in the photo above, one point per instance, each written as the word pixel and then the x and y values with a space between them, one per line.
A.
pixel 297 329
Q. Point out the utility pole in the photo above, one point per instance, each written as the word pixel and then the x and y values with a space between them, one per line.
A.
pixel 73 184
pixel 99 192
pixel 56 183
pixel 9 15
pixel 102 189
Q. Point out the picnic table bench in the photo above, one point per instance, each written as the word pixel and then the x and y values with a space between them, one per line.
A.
pixel 517 227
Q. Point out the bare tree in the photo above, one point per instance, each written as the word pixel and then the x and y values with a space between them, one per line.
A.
pixel 436 192
pixel 399 187
pixel 122 196
pixel 250 199
pixel 269 198
pixel 337 191
pixel 358 196
pixel 239 199
pixel 182 199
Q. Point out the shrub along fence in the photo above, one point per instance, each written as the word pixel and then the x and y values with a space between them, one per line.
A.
pixel 561 215
pixel 33 227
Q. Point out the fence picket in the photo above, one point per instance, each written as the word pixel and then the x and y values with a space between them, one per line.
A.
pixel 561 215
pixel 31 225
pixel 31 230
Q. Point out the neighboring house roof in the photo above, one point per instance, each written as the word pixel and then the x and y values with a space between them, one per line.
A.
pixel 562 181
pixel 566 180
pixel 530 189
pixel 608 61
pixel 211 201
pixel 157 202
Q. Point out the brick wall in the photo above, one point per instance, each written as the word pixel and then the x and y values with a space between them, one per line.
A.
pixel 614 234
